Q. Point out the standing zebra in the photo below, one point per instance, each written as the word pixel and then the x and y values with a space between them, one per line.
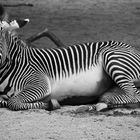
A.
pixel 78 74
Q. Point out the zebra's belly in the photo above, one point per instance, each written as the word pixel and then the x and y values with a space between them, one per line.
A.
pixel 89 83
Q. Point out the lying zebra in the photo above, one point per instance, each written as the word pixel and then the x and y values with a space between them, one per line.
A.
pixel 78 74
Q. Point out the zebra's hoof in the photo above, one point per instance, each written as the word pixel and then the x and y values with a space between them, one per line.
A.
pixel 82 109
pixel 101 106
pixel 53 105
pixel 85 108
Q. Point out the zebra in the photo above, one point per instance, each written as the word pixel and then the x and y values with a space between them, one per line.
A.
pixel 34 78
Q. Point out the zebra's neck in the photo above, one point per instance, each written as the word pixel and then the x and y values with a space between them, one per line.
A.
pixel 15 58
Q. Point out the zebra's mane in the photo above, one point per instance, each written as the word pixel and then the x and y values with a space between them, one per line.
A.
pixel 16 37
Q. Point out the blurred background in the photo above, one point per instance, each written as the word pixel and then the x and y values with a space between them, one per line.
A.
pixel 75 21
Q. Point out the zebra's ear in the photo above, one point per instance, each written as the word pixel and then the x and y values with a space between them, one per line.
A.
pixel 15 24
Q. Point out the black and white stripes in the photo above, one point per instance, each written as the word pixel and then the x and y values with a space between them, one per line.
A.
pixel 64 62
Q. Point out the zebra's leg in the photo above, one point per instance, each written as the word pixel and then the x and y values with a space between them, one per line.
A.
pixel 34 96
pixel 127 95
pixel 15 104
pixel 115 98
pixel 53 105
pixel 20 102
pixel 3 101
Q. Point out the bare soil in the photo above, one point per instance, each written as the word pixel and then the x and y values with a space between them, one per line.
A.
pixel 75 21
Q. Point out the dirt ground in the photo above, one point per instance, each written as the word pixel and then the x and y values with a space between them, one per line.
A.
pixel 75 21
